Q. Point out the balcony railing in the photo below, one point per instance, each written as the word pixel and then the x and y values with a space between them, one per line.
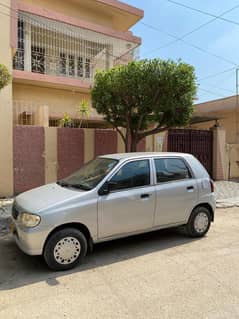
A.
pixel 54 48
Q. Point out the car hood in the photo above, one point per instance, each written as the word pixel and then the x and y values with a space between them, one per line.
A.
pixel 46 196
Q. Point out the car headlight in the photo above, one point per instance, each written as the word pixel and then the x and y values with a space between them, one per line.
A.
pixel 29 220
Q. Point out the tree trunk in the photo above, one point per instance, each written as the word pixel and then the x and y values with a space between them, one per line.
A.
pixel 133 144
pixel 127 140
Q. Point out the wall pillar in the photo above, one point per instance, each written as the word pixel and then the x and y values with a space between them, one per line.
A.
pixel 89 144
pixel 120 142
pixel 6 116
pixel 42 116
pixel 220 171
pixel 50 154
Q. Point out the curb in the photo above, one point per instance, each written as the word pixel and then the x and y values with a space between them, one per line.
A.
pixel 227 202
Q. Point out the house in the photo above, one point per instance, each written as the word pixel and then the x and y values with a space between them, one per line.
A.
pixel 53 49
pixel 225 113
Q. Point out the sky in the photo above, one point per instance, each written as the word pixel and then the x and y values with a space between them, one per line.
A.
pixel 219 38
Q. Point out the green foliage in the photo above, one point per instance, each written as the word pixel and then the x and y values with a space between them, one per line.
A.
pixel 83 109
pixel 4 76
pixel 145 97
pixel 66 121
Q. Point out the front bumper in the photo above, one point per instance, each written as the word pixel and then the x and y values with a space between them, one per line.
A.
pixel 29 240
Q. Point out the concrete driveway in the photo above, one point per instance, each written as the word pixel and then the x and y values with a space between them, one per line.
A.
pixel 158 275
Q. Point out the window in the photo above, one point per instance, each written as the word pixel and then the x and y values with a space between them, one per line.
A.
pixel 71 65
pixel 38 60
pixel 18 61
pixel 171 169
pixel 133 174
pixel 90 174
pixel 80 71
pixel 62 64
pixel 87 68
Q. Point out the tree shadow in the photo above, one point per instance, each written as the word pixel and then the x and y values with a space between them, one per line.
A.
pixel 18 269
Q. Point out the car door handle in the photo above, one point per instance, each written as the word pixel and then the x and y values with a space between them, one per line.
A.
pixel 190 188
pixel 144 195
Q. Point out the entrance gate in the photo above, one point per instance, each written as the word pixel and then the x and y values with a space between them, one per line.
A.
pixel 196 142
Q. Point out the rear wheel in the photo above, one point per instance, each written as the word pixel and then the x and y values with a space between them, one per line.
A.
pixel 199 222
pixel 65 249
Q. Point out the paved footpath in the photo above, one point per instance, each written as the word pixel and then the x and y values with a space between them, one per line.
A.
pixel 227 194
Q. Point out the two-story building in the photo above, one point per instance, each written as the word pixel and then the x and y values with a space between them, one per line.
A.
pixel 53 49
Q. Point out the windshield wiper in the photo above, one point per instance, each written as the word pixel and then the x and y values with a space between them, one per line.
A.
pixel 63 184
pixel 81 186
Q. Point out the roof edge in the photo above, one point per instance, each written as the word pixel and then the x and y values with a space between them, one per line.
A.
pixel 216 100
pixel 123 6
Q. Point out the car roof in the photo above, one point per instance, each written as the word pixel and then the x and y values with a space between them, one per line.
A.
pixel 124 156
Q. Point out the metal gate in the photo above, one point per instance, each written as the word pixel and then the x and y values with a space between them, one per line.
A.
pixel 196 142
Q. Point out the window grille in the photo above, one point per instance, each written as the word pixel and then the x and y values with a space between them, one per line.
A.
pixel 50 47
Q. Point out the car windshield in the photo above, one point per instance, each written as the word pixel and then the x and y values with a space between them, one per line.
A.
pixel 89 175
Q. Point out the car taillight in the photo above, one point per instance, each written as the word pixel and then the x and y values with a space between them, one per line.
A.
pixel 212 185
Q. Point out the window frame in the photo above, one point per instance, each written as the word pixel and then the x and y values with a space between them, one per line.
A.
pixel 176 180
pixel 151 176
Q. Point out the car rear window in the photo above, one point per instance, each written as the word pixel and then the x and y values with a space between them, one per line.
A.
pixel 171 169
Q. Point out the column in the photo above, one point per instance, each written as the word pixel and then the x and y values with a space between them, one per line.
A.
pixel 6 118
pixel 220 166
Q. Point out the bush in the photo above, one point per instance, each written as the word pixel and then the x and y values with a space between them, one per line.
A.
pixel 4 76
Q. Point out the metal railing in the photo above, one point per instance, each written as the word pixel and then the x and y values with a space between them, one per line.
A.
pixel 54 48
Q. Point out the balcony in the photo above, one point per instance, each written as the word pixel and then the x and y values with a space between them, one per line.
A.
pixel 64 54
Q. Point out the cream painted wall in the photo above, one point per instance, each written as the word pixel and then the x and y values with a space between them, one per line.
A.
pixel 76 9
pixel 50 154
pixel 6 160
pixel 58 101
pixel 227 121
pixel 89 146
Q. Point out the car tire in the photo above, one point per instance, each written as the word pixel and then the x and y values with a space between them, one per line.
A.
pixel 65 249
pixel 199 222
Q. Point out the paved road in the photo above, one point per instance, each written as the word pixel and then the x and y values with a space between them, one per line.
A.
pixel 158 275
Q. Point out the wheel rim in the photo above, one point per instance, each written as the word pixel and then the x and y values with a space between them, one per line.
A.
pixel 201 222
pixel 67 250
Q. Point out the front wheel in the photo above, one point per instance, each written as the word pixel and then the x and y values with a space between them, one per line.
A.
pixel 199 222
pixel 65 249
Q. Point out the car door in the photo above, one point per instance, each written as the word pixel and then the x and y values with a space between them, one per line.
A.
pixel 130 205
pixel 176 191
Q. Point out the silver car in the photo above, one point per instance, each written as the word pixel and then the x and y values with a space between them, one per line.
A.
pixel 110 197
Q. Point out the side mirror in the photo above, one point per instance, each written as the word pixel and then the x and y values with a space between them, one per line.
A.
pixel 106 188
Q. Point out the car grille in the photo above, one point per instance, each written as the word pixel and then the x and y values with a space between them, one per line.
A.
pixel 15 212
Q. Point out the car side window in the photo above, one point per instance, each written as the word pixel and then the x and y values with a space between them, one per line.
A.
pixel 171 169
pixel 132 174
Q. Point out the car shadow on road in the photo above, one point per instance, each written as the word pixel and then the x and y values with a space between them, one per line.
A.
pixel 18 269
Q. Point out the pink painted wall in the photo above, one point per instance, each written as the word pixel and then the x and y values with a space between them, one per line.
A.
pixel 70 150
pixel 28 157
pixel 105 142
pixel 31 152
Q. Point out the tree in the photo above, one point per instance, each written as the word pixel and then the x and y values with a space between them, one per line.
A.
pixel 145 97
pixel 4 76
